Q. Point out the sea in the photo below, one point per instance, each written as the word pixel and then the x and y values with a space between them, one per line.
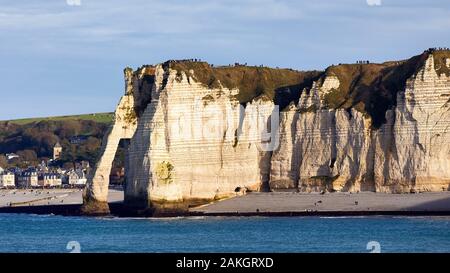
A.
pixel 61 234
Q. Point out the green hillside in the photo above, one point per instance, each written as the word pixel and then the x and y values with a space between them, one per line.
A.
pixel 33 139
pixel 97 117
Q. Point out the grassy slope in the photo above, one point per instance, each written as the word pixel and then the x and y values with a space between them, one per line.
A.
pixel 372 88
pixel 440 59
pixel 368 88
pixel 251 81
pixel 97 117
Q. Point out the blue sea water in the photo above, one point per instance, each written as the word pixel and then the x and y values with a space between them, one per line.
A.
pixel 48 233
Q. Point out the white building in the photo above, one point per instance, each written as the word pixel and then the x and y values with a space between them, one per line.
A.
pixel 77 178
pixel 7 180
pixel 49 180
pixel 57 151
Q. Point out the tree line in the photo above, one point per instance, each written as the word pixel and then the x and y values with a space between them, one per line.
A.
pixel 34 142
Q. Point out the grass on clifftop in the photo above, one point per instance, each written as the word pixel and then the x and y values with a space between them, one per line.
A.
pixel 369 88
pixel 97 117
pixel 252 81
pixel 354 81
pixel 440 62
pixel 372 88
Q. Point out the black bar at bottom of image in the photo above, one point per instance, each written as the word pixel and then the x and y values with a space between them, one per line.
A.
pixel 227 262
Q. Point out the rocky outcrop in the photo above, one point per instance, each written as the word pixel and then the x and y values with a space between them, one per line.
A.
pixel 204 133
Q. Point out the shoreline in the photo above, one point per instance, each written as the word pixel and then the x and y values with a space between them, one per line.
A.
pixel 117 210
pixel 272 204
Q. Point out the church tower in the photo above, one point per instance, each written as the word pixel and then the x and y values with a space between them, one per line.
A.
pixel 57 151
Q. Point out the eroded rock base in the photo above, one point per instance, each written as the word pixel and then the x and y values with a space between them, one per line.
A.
pixel 94 208
pixel 161 208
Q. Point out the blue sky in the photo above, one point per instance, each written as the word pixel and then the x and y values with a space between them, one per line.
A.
pixel 59 59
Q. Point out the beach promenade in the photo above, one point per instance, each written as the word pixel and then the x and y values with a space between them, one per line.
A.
pixel 42 197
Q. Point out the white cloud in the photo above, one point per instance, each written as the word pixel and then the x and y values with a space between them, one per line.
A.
pixel 73 2
pixel 374 2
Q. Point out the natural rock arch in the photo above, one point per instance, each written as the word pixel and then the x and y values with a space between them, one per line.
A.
pixel 95 196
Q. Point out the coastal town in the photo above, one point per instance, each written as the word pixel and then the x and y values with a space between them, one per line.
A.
pixel 44 175
pixel 25 183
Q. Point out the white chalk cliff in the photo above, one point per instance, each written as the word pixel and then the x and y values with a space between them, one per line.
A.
pixel 412 150
pixel 187 145
pixel 191 142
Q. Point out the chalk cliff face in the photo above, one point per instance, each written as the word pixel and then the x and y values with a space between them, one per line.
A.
pixel 412 148
pixel 338 149
pixel 201 134
pixel 322 149
pixel 194 143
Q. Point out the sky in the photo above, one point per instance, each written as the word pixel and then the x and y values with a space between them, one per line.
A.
pixel 60 57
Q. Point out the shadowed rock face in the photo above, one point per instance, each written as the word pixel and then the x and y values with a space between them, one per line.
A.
pixel 198 133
